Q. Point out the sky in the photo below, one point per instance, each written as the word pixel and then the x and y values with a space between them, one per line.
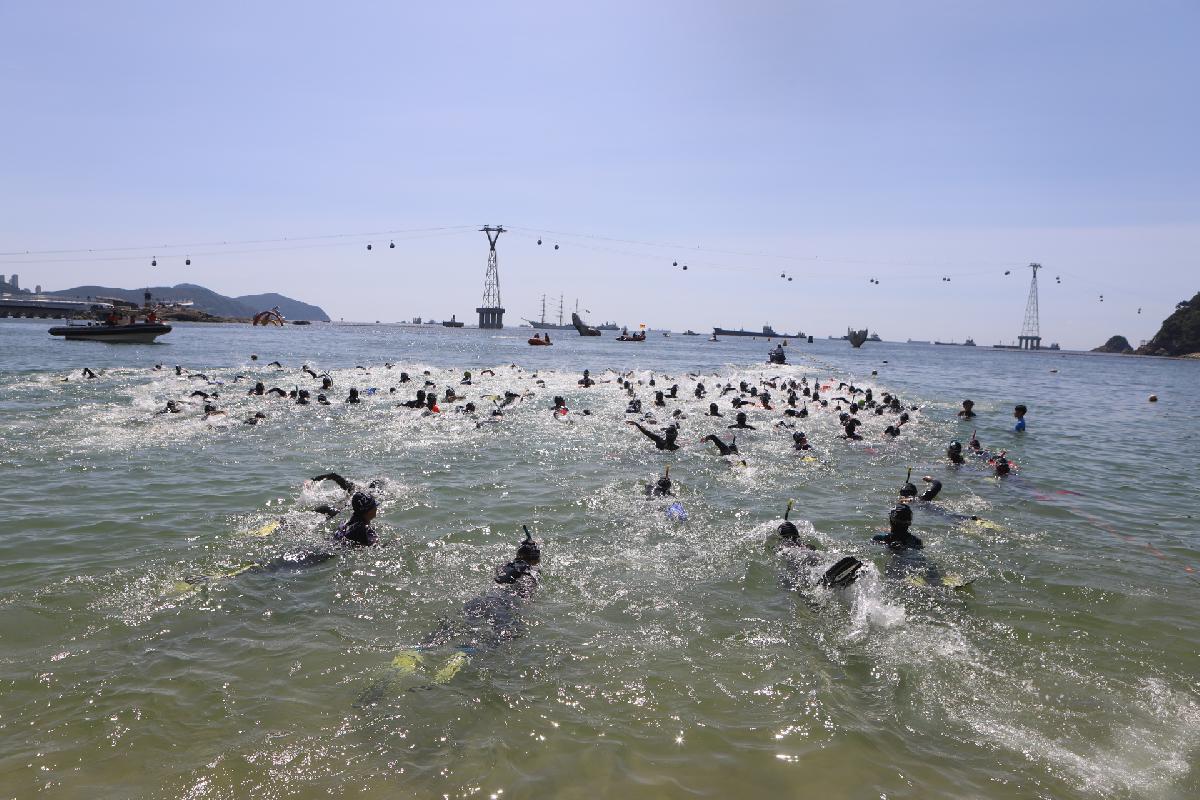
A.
pixel 835 143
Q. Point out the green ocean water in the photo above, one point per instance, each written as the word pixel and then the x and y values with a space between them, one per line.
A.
pixel 657 659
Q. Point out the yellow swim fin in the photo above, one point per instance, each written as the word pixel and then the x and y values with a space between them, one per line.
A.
pixel 266 530
pixel 451 668
pixel 407 662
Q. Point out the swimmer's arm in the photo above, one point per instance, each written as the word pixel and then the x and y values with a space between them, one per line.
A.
pixel 338 479
pixel 935 486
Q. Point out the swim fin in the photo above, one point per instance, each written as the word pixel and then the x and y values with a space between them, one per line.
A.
pixel 266 530
pixel 407 662
pixel 451 668
pixel 842 574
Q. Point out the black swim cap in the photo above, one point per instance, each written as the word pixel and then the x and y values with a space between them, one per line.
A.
pixel 908 490
pixel 788 530
pixel 901 516
pixel 955 447
pixel 529 551
pixel 362 502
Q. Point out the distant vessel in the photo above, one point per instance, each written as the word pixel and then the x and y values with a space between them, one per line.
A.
pixel 452 322
pixel 968 343
pixel 766 331
pixel 416 321
pixel 543 325
pixel 874 337
pixel 919 341
pixel 690 332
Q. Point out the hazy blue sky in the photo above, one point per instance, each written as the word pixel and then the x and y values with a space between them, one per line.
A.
pixel 834 141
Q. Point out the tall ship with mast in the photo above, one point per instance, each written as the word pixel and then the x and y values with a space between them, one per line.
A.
pixel 543 325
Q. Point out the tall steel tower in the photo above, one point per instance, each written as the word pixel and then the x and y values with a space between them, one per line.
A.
pixel 1031 337
pixel 491 314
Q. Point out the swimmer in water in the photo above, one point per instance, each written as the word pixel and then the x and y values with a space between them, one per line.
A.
pixel 899 537
pixel 800 441
pixel 726 449
pixel 258 416
pixel 967 410
pixel 1019 414
pixel 804 557
pixel 357 531
pixel 259 389
pixel 489 620
pixel 661 487
pixel 954 452
pixel 418 403
pixel 171 408
pixel 666 441
pixel 353 397
pixel 908 491
pixel 741 422
pixel 713 411
pixel 586 380
pixel 212 411
pixel 852 430
pixel 87 373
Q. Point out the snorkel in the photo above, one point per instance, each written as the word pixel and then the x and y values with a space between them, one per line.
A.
pixel 908 490
pixel 787 528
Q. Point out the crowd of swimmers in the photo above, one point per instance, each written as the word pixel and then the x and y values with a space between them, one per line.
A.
pixel 778 403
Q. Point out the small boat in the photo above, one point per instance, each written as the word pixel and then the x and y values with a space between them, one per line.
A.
pixel 626 336
pixel 690 332
pixel 137 333
pixel 452 322
pixel 301 322
pixel 667 334
pixel 918 341
pixel 538 340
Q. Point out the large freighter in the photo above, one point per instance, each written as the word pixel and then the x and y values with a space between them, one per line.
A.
pixel 766 331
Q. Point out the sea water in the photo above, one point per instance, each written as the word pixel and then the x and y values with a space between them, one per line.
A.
pixel 658 658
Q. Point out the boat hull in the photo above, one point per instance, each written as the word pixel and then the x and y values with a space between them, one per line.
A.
pixel 767 333
pixel 116 334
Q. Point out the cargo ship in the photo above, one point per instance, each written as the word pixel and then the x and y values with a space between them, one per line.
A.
pixel 766 331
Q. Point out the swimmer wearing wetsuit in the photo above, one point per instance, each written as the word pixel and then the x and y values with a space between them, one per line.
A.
pixel 726 449
pixel 741 422
pixel 357 531
pixel 665 441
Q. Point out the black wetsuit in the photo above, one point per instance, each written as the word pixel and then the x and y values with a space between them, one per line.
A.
pixel 726 449
pixel 356 532
pixel 660 441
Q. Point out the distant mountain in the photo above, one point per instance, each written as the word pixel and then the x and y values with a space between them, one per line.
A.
pixel 292 309
pixel 1180 332
pixel 205 300
pixel 1115 344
